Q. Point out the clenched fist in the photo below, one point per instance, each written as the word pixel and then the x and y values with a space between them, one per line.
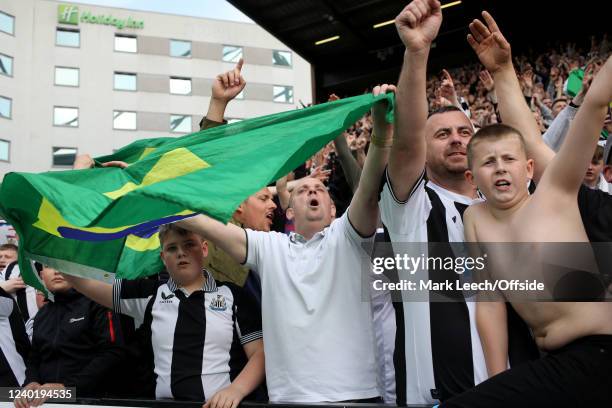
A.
pixel 418 24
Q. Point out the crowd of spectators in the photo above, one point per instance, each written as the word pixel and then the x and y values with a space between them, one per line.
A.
pixel 546 83
pixel 543 77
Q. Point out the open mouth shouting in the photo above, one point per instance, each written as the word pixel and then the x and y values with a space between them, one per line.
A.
pixel 270 217
pixel 313 203
pixel 502 185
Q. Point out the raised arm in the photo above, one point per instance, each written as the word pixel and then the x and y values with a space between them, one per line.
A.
pixel 447 89
pixel 557 131
pixel 318 172
pixel 282 192
pixel 363 211
pixel 566 171
pixel 350 167
pixel 226 87
pixel 99 292
pixel 228 237
pixel 494 53
pixel 418 26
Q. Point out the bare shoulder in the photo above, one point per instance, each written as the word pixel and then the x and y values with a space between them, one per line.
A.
pixel 475 210
pixel 472 217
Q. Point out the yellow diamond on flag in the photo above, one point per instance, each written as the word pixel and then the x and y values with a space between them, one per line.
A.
pixel 172 164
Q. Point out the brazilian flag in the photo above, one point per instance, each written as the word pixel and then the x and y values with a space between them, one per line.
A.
pixel 102 223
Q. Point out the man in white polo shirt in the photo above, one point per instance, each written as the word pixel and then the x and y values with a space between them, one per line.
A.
pixel 318 339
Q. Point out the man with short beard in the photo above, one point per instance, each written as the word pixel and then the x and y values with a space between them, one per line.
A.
pixel 438 351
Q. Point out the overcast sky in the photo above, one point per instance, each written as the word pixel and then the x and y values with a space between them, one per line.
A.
pixel 218 9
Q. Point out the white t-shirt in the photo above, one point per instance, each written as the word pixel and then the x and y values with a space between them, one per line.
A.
pixel 318 337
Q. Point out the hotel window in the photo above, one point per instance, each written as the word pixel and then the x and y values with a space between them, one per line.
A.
pixel 125 81
pixel 5 150
pixel 126 43
pixel 283 94
pixel 282 58
pixel 5 107
pixel 180 86
pixel 63 116
pixel 6 65
pixel 64 156
pixel 180 123
pixel 124 120
pixel 66 76
pixel 7 23
pixel 180 48
pixel 67 37
pixel 231 53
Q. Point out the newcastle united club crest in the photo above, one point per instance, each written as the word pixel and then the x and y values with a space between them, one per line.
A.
pixel 218 303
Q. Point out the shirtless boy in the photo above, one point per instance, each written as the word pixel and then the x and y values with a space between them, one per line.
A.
pixel 577 336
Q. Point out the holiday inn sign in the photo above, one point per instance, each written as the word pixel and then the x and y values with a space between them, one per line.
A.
pixel 69 14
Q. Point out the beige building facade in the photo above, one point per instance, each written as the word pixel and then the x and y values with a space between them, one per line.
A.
pixel 76 78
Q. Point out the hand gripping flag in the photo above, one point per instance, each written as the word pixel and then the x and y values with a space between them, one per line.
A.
pixel 102 223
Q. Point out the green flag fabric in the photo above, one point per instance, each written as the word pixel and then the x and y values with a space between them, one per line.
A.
pixel 102 223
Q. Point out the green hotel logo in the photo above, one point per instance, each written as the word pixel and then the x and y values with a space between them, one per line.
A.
pixel 69 14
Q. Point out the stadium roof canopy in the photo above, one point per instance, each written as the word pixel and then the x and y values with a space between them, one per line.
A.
pixel 364 55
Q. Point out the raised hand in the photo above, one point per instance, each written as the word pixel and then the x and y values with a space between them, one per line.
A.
pixel 283 192
pixel 320 173
pixel 379 110
pixel 447 88
pixel 228 85
pixel 589 74
pixel 418 24
pixel 440 101
pixel 528 78
pixel 487 80
pixel 382 132
pixel 526 81
pixel 489 44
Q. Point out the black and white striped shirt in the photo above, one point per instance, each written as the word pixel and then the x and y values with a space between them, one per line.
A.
pixel 196 339
pixel 14 343
pixel 25 298
pixel 438 351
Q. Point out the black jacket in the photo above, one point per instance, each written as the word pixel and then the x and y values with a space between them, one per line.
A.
pixel 74 343
pixel 14 342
